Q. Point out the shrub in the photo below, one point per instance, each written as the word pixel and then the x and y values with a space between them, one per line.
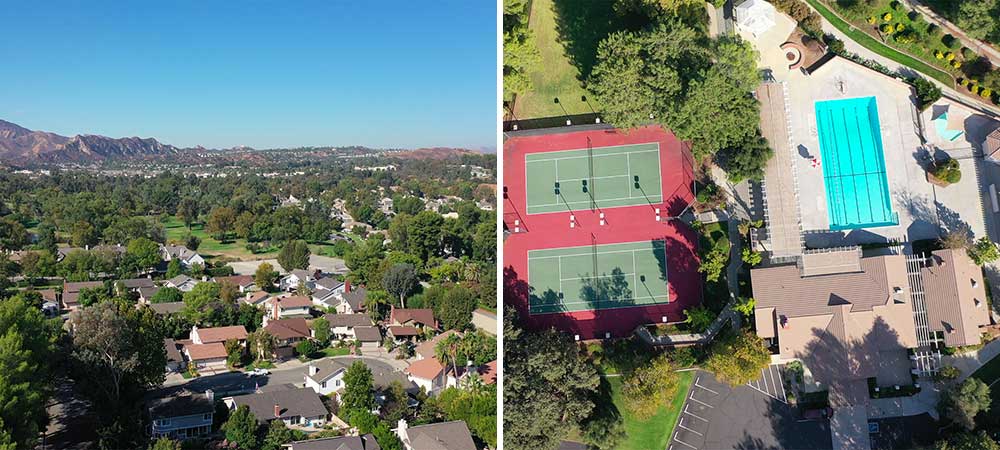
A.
pixel 938 54
pixel 900 27
pixel 872 20
pixel 964 82
pixel 967 53
pixel 951 41
pixel 896 5
pixel 974 89
pixel 983 251
pixel 836 45
pixel 956 64
pixel 887 16
pixel 905 38
pixel 927 92
pixel 949 56
pixel 933 30
pixel 986 93
pixel 886 28
pixel 947 171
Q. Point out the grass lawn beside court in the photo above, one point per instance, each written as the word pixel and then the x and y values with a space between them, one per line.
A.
pixel 874 45
pixel 655 432
pixel 555 75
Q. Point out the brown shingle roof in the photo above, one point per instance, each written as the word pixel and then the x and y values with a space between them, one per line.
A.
pixel 236 280
pixel 367 334
pixel 453 435
pixel 222 334
pixel 302 402
pixel 295 301
pixel 348 320
pixel 199 352
pixel 403 331
pixel 173 354
pixel 288 328
pixel 956 297
pixel 423 316
pixel 77 286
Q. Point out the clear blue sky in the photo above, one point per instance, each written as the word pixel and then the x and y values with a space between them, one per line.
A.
pixel 265 74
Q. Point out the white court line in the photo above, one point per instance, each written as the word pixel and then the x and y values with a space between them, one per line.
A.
pixel 592 178
pixel 705 388
pixel 585 156
pixel 680 423
pixel 682 442
pixel 599 276
pixel 693 414
pixel 615 301
pixel 654 198
pixel 691 397
pixel 585 254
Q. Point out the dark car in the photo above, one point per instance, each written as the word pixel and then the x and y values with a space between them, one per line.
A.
pixel 817 414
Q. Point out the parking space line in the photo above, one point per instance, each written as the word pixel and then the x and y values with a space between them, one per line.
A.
pixel 781 383
pixel 682 442
pixel 705 388
pixel 691 397
pixel 680 423
pixel 692 414
pixel 763 379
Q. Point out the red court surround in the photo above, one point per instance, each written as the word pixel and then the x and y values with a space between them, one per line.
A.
pixel 623 224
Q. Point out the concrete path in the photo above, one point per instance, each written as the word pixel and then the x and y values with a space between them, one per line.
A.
pixel 969 362
pixel 982 48
pixel 923 402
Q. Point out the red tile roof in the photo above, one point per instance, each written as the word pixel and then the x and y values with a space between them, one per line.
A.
pixel 221 334
pixel 404 331
pixel 427 369
pixel 288 328
pixel 295 301
pixel 199 352
pixel 423 317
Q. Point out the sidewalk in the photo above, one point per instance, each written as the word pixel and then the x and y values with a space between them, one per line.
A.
pixel 969 362
pixel 923 402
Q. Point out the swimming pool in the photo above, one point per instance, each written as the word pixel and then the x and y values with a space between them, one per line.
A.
pixel 857 190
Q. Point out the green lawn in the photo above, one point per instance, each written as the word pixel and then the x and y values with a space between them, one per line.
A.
pixel 989 372
pixel 715 235
pixel 655 432
pixel 878 47
pixel 211 248
pixel 556 75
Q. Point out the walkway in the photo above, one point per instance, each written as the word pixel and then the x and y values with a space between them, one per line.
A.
pixel 924 401
pixel 982 48
pixel 969 362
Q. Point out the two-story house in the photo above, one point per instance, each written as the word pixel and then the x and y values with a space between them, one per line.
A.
pixel 182 417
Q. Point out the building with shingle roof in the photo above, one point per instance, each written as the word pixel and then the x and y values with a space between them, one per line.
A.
pixel 363 442
pixel 454 435
pixel 956 297
pixel 295 407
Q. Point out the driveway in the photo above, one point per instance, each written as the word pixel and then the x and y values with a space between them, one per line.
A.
pixel 718 416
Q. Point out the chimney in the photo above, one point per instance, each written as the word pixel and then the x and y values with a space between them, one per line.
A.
pixel 274 309
pixel 313 369
pixel 347 285
pixel 210 395
pixel 277 410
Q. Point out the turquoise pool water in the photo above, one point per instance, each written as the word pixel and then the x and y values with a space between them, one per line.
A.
pixel 857 190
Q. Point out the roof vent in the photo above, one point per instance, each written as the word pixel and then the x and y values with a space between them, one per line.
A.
pixel 974 282
pixel 978 303
pixel 784 322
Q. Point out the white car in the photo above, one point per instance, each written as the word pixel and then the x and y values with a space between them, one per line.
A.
pixel 258 371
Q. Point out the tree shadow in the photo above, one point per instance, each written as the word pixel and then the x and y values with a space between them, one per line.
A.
pixel 582 25
pixel 607 291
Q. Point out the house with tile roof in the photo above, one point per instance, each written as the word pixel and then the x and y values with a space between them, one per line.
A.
pixel 363 442
pixel 342 325
pixel 218 334
pixel 454 435
pixel 207 356
pixel 71 292
pixel 244 283
pixel 956 297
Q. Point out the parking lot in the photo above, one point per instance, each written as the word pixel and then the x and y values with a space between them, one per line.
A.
pixel 756 416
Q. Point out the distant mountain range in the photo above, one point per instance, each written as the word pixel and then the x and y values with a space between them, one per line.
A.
pixel 19 145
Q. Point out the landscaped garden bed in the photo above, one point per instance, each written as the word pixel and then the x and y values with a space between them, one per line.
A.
pixel 906 390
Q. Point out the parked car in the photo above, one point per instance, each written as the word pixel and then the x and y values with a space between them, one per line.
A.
pixel 258 371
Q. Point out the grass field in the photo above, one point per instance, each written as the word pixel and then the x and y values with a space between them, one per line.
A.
pixel 715 235
pixel 655 432
pixel 211 248
pixel 604 176
pixel 631 274
pixel 556 75
pixel 874 45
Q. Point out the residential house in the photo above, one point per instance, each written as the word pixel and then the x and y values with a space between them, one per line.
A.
pixel 326 376
pixel 61 252
pixel 146 294
pixel 427 348
pixel 489 372
pixel 287 307
pixel 183 283
pixel 207 356
pixel 401 334
pixel 183 416
pixel 342 325
pixel 218 334
pixel 134 284
pixel 329 292
pixel 288 332
pixel 485 320
pixel 353 300
pixel 290 282
pixel 244 283
pixel 71 292
pixel 297 407
pixel 363 442
pixel 368 337
pixel 956 297
pixel 256 298
pixel 417 318
pixel 428 374
pixel 50 302
pixel 167 308
pixel 454 435
pixel 175 362
pixel 186 257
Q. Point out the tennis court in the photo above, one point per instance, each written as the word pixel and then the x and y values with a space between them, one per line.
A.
pixel 629 274
pixel 592 178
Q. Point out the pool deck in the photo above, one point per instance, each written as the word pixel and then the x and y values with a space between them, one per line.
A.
pixel 911 194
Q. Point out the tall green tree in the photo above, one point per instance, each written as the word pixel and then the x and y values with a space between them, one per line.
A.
pixel 27 352
pixel 142 254
pixel 265 276
pixel 278 434
pixel 456 307
pixel 968 440
pixel 165 444
pixel 220 222
pixel 117 355
pixel 962 402
pixel 294 255
pixel 321 331
pixel 241 429
pixel 649 387
pixel 400 280
pixel 187 211
pixel 548 387
pixel 358 396
pixel 978 19
pixel 520 55
pixel 738 357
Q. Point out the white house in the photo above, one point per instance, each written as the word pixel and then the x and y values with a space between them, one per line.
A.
pixel 186 257
pixel 182 282
pixel 428 374
pixel 207 356
pixel 454 435
pixel 290 282
pixel 328 293
pixel 325 376
pixel 342 325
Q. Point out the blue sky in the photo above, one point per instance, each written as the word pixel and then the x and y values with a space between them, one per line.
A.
pixel 264 74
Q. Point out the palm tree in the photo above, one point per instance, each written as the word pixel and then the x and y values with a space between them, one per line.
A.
pixel 446 351
pixel 262 343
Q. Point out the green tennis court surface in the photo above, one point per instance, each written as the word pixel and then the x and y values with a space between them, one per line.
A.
pixel 602 177
pixel 630 274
